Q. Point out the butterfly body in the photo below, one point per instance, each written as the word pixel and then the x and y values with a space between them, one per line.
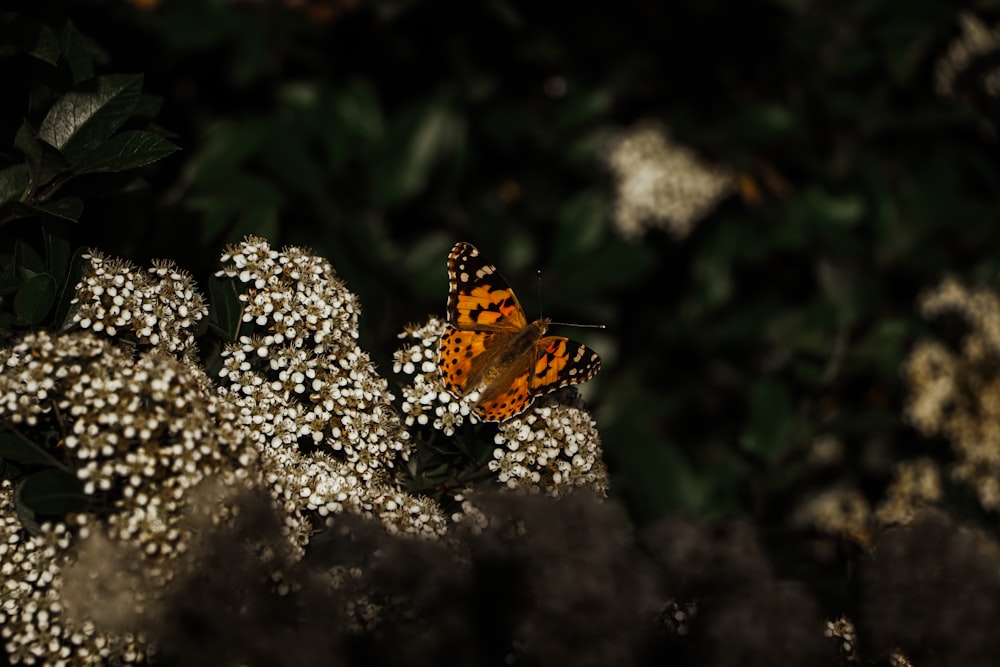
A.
pixel 490 346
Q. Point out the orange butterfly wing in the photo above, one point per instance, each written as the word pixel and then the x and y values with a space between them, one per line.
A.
pixel 479 299
pixel 460 356
pixel 559 362
pixel 513 396
pixel 488 344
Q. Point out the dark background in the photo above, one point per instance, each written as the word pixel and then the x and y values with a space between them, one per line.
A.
pixel 381 132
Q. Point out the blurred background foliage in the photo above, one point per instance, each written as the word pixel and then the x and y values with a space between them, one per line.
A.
pixel 380 132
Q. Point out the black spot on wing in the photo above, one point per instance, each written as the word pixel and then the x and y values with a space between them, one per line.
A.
pixel 468 269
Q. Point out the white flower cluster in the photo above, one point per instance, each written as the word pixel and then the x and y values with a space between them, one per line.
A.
pixel 32 626
pixel 976 47
pixel 426 399
pixel 552 447
pixel 956 393
pixel 843 630
pixel 147 428
pixel 159 307
pixel 302 413
pixel 661 183
pixel 841 511
pixel 140 433
pixel 311 399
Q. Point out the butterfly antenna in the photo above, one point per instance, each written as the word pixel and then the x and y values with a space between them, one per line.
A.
pixel 581 326
pixel 539 294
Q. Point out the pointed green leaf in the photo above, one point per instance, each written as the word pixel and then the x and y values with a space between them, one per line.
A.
pixel 80 52
pixel 35 298
pixel 9 283
pixel 20 34
pixel 15 448
pixel 26 142
pixel 581 223
pixel 69 287
pixel 68 208
pixel 53 492
pixel 44 163
pixel 13 183
pixel 770 419
pixel 25 513
pixel 128 150
pixel 225 148
pixel 27 259
pixel 57 249
pixel 238 203
pixel 416 143
pixel 226 313
pixel 82 119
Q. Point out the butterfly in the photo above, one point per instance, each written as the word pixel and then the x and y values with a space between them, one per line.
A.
pixel 490 346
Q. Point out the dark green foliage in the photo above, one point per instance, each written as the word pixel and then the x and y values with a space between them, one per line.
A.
pixel 70 123
pixel 53 492
pixel 62 123
pixel 379 145
pixel 387 131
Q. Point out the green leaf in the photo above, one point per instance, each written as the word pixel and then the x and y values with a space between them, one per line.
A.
pixel 359 118
pixel 53 492
pixel 9 283
pixel 69 287
pixel 581 223
pixel 882 348
pixel 128 150
pixel 58 252
pixel 44 164
pixel 226 312
pixel 20 34
pixel 25 513
pixel 68 208
pixel 829 211
pixel 226 147
pixel 770 419
pixel 13 183
pixel 578 109
pixel 240 201
pixel 80 52
pixel 15 448
pixel 83 119
pixel 27 258
pixel 35 298
pixel 26 142
pixel 416 143
pixel 765 123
